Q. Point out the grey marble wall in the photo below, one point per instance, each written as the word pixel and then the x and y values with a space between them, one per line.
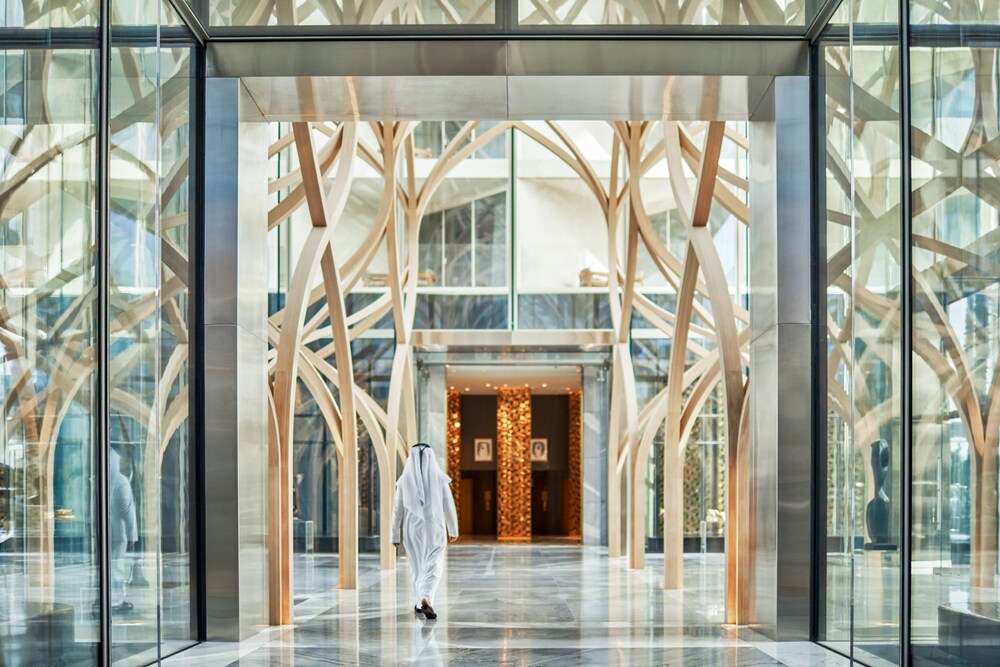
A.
pixel 236 432
pixel 595 455
pixel 780 359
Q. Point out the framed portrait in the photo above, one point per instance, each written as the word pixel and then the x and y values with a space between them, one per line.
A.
pixel 539 450
pixel 482 450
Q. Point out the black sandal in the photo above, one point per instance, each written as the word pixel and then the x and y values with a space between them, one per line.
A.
pixel 428 612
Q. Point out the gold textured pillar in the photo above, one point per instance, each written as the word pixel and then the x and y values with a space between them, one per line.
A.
pixel 453 437
pixel 573 513
pixel 513 464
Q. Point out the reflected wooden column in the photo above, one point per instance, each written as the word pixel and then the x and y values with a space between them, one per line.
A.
pixel 513 464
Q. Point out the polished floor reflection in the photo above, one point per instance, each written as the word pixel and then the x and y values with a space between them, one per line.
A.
pixel 512 605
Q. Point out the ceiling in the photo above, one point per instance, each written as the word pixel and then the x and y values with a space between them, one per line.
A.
pixel 541 379
pixel 310 80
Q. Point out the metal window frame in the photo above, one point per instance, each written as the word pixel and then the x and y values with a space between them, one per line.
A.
pixel 103 341
pixel 817 585
pixel 906 342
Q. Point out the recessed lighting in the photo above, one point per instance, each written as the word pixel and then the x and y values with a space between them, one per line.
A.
pixel 453 387
pixel 544 385
pixel 526 384
pixel 466 389
pixel 488 384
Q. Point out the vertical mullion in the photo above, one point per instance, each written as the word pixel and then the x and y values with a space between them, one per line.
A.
pixel 102 343
pixel 852 300
pixel 514 296
pixel 472 244
pixel 155 540
pixel 196 270
pixel 906 330
pixel 821 443
pixel 507 17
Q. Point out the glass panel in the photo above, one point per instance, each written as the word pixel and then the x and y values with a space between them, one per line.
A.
pixel 48 542
pixel 956 343
pixel 463 233
pixel 967 12
pixel 372 371
pixel 863 372
pixel 150 512
pixel 563 311
pixel 663 12
pixel 135 296
pixel 431 248
pixel 48 14
pixel 877 359
pixel 347 13
pixel 491 240
pixel 669 303
pixel 835 601
pixel 705 478
pixel 461 311
pixel 176 491
pixel 458 247
pixel 314 499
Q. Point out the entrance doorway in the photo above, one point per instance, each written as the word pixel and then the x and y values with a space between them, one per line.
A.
pixel 514 446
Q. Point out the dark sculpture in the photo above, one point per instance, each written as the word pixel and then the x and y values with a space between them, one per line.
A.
pixel 877 512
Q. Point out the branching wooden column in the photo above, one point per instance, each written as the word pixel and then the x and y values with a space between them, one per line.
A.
pixel 514 464
pixel 453 435
pixel 573 514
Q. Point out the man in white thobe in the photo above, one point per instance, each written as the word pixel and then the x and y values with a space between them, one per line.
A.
pixel 424 516
pixel 124 531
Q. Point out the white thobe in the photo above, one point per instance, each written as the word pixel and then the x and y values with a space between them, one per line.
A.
pixel 424 537
pixel 123 527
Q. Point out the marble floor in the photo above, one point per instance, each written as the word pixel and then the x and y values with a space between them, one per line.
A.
pixel 554 604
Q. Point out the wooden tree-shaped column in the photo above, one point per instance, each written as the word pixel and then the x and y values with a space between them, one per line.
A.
pixel 324 211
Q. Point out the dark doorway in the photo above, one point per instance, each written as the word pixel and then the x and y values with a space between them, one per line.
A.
pixel 546 504
pixel 549 424
pixel 484 503
pixel 479 422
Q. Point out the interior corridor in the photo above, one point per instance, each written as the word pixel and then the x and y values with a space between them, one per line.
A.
pixel 538 604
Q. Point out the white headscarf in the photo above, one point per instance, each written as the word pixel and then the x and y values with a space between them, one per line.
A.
pixel 421 483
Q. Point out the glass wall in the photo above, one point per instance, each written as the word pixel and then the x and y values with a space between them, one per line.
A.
pixel 911 366
pixel 486 14
pixel 246 13
pixel 955 241
pixel 52 252
pixel 49 549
